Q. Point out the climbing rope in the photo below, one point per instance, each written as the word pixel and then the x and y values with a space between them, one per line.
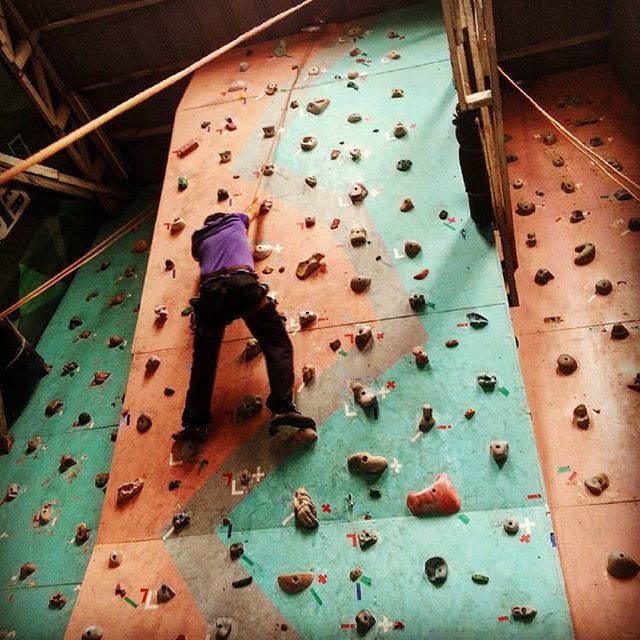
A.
pixel 87 257
pixel 598 160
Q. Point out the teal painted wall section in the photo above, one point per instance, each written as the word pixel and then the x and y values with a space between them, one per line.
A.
pixel 75 498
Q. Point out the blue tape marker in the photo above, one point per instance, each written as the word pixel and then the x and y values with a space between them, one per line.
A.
pixel 358 591
pixel 128 419
pixel 552 537
pixel 229 528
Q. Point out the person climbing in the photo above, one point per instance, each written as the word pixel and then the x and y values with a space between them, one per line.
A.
pixel 229 289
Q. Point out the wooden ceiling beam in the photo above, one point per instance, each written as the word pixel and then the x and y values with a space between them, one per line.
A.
pixel 552 45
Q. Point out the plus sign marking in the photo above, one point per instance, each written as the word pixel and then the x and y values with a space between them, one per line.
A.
pixel 395 465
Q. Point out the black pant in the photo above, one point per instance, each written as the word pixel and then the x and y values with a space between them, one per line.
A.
pixel 222 300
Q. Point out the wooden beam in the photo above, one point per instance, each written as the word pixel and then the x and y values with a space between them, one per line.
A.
pixel 553 45
pixel 23 53
pixel 479 99
pixel 5 38
pixel 96 14
pixel 126 135
pixel 51 179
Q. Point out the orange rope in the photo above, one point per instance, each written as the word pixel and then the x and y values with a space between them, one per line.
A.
pixel 598 160
pixel 87 257
pixel 134 101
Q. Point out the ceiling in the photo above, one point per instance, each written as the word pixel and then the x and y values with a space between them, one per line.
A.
pixel 108 50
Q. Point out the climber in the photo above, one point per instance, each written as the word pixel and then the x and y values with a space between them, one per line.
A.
pixel 229 289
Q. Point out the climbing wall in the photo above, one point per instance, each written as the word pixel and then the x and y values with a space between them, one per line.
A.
pixel 72 493
pixel 238 487
pixel 568 316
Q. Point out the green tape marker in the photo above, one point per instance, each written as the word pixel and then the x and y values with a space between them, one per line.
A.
pixel 504 391
pixel 131 602
pixel 464 518
pixel 316 597
pixel 564 469
pixel 248 560
pixel 431 305
pixel 446 224
pixel 343 353
pixel 366 580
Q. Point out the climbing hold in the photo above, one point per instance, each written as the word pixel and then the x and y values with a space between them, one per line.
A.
pixel 469 413
pixel 308 373
pixel 487 381
pixel 524 614
pixel 244 582
pixel 313 71
pixel 417 302
pixel 74 322
pixel 169 265
pixel 364 621
pixel 443 215
pixel 318 106
pixel 511 157
pixel 365 464
pixel 104 265
pixel 295 582
pixel 183 183
pixel 511 525
pixel 358 236
pixel 567 364
pixel 335 223
pixel 223 628
pixel 615 163
pixel 392 34
pixel 250 406
pixel 33 444
pixel 262 251
pixel 144 422
pixel 359 284
pixel 46 513
pixel 271 89
pixel 427 420
pixel 358 193
pixel 622 195
pixel 543 276
pixel 69 368
pixel 94 632
pixel 366 398
pixel 586 253
pixel 634 224
pixel 230 125
pixel 311 181
pixel 152 364
pixel 174 484
pixel 66 462
pixel 604 287
pixel 222 194
pixel 420 354
pixel 525 208
pixel 437 570
pixel 12 492
pixel 352 74
pixel 115 559
pixel 161 313
pixel 57 600
pixel 367 539
pixel 127 490
pixel 375 493
pixel 265 206
pixel 438 498
pixel 619 332
pixel 354 117
pixel 400 131
pixel 622 565
pixel 576 216
pixel 406 205
pixel 355 154
pixel 596 141
pixel 412 248
pixel 478 578
pixel 236 550
pixel 307 317
pixel 335 153
pixel 404 164
pixel 115 341
pixel 309 266
pixel 532 241
pixel 82 533
pixel 355 574
pixel 237 85
pixel 397 93
pixel 557 160
pixel 355 52
pixel 225 156
pixel 27 569
pixel 568 186
pixel 164 593
pixel 597 484
pixel 335 345
pixel 499 451
pixel 309 221
pixel 517 183
pixel 243 66
pixel 83 419
pixel 308 143
pixel 252 349
pixel 304 509
pixel 101 480
pixel 100 377
pixel 476 320
pixel 268 131
pixel 393 55
pixel 450 344
pixel 363 337
pixel 294 104
pixel 581 417
pixel 549 138
pixel 181 519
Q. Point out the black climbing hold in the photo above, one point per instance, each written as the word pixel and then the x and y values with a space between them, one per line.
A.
pixel 476 320
pixel 364 621
pixel 375 493
pixel 543 276
pixel 437 570
pixel 244 582
pixel 74 322
pixel 443 215
pixel 84 418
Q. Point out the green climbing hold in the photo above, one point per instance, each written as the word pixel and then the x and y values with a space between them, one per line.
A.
pixel 478 578
pixel 281 50
pixel 187 311
pixel 183 183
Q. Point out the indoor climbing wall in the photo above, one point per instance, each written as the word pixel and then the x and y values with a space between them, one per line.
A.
pixel 569 315
pixel 64 439
pixel 239 486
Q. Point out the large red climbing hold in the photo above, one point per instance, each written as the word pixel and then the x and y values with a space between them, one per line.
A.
pixel 439 498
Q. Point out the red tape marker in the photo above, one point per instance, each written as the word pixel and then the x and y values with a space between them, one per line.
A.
pixel 503 618
pixel 145 592
pixel 228 477
pixel 534 496
pixel 353 538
